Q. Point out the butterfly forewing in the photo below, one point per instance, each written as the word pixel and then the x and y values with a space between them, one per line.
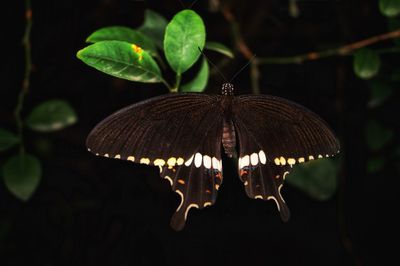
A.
pixel 274 134
pixel 179 133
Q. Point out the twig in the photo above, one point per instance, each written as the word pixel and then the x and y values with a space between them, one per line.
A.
pixel 27 73
pixel 341 51
pixel 243 49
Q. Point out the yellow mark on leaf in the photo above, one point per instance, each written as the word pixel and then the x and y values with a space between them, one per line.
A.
pixel 138 50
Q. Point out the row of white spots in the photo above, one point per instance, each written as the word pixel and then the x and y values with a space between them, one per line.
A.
pixel 291 161
pixel 198 159
pixel 253 158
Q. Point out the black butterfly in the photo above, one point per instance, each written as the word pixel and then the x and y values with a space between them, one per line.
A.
pixel 182 135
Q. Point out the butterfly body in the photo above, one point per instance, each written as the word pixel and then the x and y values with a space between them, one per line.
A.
pixel 183 135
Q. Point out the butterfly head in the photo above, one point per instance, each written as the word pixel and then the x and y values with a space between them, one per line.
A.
pixel 227 89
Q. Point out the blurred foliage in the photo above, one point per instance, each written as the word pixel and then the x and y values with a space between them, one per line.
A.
pixel 316 178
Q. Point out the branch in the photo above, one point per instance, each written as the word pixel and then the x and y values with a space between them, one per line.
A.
pixel 341 51
pixel 26 43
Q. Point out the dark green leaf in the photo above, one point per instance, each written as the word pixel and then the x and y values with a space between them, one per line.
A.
pixel 122 60
pixel 380 92
pixel 377 136
pixel 316 178
pixel 184 35
pixel 220 48
pixel 125 34
pixel 375 164
pixel 22 174
pixel 7 139
pixel 154 27
pixel 199 83
pixel 366 63
pixel 389 8
pixel 51 116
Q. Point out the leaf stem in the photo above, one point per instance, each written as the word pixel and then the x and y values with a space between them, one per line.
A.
pixel 340 51
pixel 177 83
pixel 26 43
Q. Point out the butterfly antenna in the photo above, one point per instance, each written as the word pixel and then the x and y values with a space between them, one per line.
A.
pixel 190 6
pixel 243 67
pixel 211 63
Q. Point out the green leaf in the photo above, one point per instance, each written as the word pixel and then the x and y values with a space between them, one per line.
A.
pixel 375 164
pixel 389 8
pixel 366 63
pixel 199 83
pixel 380 92
pixel 184 35
pixel 220 48
pixel 315 178
pixel 7 139
pixel 121 60
pixel 51 115
pixel 125 34
pixel 376 135
pixel 22 174
pixel 154 27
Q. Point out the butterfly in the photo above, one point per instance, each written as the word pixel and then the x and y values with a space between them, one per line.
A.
pixel 184 135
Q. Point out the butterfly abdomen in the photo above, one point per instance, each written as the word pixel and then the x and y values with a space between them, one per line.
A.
pixel 229 138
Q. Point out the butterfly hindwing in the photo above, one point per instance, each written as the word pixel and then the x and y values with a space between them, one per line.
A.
pixel 274 134
pixel 179 133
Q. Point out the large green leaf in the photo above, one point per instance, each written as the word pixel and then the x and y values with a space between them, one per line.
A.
pixel 366 63
pixel 199 83
pixel 125 34
pixel 377 136
pixel 51 115
pixel 389 8
pixel 7 139
pixel 22 174
pixel 220 48
pixel 184 35
pixel 316 178
pixel 122 60
pixel 154 27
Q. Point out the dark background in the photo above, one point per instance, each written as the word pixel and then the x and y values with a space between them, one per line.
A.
pixel 96 211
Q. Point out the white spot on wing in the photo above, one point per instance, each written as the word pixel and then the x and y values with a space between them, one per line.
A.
pixel 254 158
pixel 180 161
pixel 207 161
pixel 277 204
pixel 215 163
pixel 245 161
pixel 145 161
pixel 263 158
pixel 180 194
pixel 171 161
pixel 208 203
pixel 159 162
pixel 188 208
pixel 170 181
pixel 279 190
pixel 117 156
pixel 198 159
pixel 189 161
pixel 258 197
pixel 131 158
